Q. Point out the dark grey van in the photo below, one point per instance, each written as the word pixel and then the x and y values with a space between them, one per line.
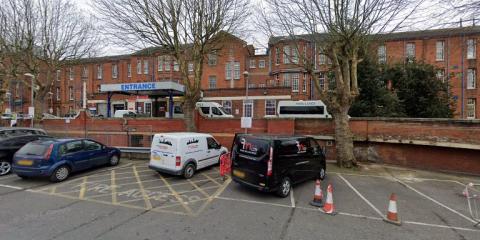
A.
pixel 274 163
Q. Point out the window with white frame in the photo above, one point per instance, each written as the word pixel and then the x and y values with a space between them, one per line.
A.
pixel 321 81
pixel 295 82
pixel 270 105
pixel 261 63
pixel 70 93
pixel 236 70
pixel 440 51
pixel 248 108
pixel 145 66
pixel 253 63
pixel 471 78
pixel 160 60
pixel 252 85
pixel 261 85
pixel 167 63
pixel 84 72
pixel 471 108
pixel 129 70
pixel 305 82
pixel 410 51
pixel 212 82
pixel 227 106
pixel 70 73
pixel 322 59
pixel 277 55
pixel 286 80
pixel 212 58
pixel 99 71
pixel 139 66
pixel 57 93
pixel 382 54
pixel 114 71
pixel 286 54
pixel 295 55
pixel 190 67
pixel 176 66
pixel 471 49
pixel 441 74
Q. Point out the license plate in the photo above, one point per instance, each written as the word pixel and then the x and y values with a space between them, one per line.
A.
pixel 25 162
pixel 239 174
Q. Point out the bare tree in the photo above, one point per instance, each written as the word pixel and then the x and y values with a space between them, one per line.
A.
pixel 187 30
pixel 340 29
pixel 41 37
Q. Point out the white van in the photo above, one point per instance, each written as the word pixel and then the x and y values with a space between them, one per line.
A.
pixel 302 109
pixel 183 153
pixel 212 110
pixel 124 113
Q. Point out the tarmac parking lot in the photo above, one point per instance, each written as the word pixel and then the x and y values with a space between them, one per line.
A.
pixel 131 201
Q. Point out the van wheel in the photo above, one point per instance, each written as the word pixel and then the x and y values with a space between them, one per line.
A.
pixel 60 174
pixel 189 171
pixel 285 187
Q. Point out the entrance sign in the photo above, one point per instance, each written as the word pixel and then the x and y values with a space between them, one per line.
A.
pixel 246 122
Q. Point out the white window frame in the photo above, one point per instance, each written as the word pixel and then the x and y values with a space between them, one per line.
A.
pixel 71 95
pixel 99 88
pixel 410 50
pixel 129 70
pixel 286 54
pixel 176 66
pixel 268 107
pixel 441 74
pixel 471 78
pixel 471 108
pixel 322 59
pixel 305 83
pixel 145 66
pixel 160 60
pixel 212 58
pixel 261 63
pixel 167 63
pixel 84 72
pixel 236 70
pixel 248 102
pixel 114 70
pixel 99 71
pixel 139 66
pixel 227 106
pixel 57 76
pixel 295 54
pixel 321 80
pixel 252 63
pixel 212 79
pixel 286 80
pixel 440 50
pixel 277 56
pixel 58 93
pixel 471 49
pixel 71 74
pixel 382 54
pixel 295 82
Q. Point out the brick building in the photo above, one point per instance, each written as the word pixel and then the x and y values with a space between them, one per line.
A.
pixel 275 75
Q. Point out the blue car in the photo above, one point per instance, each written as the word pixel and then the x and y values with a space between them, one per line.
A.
pixel 58 158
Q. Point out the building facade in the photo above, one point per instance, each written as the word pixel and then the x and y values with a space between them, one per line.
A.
pixel 277 74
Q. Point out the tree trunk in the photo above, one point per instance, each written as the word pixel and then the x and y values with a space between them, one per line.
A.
pixel 189 115
pixel 343 138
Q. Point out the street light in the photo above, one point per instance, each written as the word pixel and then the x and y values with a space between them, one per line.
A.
pixel 31 99
pixel 245 74
pixel 51 102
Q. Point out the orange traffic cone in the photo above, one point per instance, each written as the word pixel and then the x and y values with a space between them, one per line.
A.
pixel 329 208
pixel 392 214
pixel 318 195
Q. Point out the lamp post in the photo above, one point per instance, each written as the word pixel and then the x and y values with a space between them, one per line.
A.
pixel 245 74
pixel 9 96
pixel 32 77
pixel 50 110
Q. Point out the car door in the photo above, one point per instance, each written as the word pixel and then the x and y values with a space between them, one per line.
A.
pixel 74 153
pixel 95 152
pixel 213 151
pixel 293 159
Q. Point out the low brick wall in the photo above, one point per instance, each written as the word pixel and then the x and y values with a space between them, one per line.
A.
pixel 438 144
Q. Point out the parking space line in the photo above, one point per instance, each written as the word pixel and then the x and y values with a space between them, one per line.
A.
pixel 53 189
pixel 360 195
pixel 153 197
pixel 252 201
pixel 81 195
pixel 292 198
pixel 198 188
pixel 187 208
pixel 10 186
pixel 441 226
pixel 211 179
pixel 435 201
pixel 176 204
pixel 215 195
pixel 113 187
pixel 8 177
pixel 148 204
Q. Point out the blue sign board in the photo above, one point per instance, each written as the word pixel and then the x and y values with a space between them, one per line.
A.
pixel 137 86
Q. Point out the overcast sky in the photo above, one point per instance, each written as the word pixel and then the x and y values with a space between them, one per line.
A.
pixel 426 17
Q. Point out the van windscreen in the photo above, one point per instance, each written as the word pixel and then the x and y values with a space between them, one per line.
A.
pixel 251 146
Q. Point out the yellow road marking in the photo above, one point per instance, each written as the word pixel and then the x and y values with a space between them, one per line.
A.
pixel 198 188
pixel 189 210
pixel 216 194
pixel 81 195
pixel 176 204
pixel 113 187
pixel 148 204
pixel 211 179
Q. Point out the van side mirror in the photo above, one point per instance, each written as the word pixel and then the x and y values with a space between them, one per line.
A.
pixel 218 146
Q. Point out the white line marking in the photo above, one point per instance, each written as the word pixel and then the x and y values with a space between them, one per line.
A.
pixel 441 226
pixel 8 177
pixel 435 201
pixel 10 186
pixel 251 201
pixel 292 198
pixel 360 195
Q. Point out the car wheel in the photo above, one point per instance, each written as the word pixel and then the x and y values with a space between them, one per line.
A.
pixel 322 174
pixel 189 171
pixel 5 167
pixel 60 174
pixel 114 160
pixel 285 187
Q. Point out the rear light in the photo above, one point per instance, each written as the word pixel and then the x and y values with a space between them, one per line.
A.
pixel 47 154
pixel 269 163
pixel 178 161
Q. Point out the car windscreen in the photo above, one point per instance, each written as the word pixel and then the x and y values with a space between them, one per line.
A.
pixel 34 149
pixel 250 147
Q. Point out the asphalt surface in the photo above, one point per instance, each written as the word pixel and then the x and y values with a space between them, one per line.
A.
pixel 131 201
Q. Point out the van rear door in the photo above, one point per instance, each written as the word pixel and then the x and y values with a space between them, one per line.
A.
pixel 163 151
pixel 250 159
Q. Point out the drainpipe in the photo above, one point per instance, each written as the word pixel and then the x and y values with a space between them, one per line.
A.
pixel 463 76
